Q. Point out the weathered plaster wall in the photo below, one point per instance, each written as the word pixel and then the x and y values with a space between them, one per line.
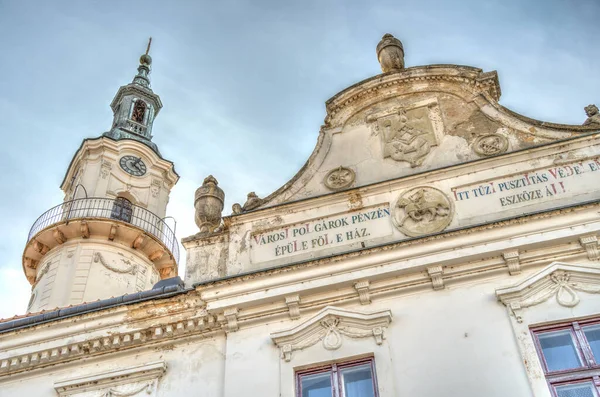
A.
pixel 193 368
pixel 459 339
pixel 77 272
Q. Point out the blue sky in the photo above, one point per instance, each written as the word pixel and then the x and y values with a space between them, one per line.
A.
pixel 244 84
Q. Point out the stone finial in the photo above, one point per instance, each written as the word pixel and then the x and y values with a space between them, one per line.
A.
pixel 390 54
pixel 252 202
pixel 236 209
pixel 593 115
pixel 208 202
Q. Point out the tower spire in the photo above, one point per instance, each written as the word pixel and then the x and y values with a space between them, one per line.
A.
pixel 135 106
pixel 144 69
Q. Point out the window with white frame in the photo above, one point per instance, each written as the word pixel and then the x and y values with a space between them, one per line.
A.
pixel 570 355
pixel 344 379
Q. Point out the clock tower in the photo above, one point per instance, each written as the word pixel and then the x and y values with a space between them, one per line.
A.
pixel 111 235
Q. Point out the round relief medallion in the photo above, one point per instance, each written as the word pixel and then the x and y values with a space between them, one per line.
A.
pixel 490 144
pixel 339 178
pixel 422 210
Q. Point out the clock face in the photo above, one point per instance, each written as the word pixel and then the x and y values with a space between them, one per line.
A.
pixel 133 165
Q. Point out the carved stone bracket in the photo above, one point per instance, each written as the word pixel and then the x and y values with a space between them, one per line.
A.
pixel 156 255
pixel 59 236
pixel 85 230
pixel 229 320
pixel 40 247
pixel 362 287
pixel 558 280
pixel 113 232
pixel 436 273
pixel 512 261
pixel 293 304
pixel 590 243
pixel 138 241
pixel 165 272
pixel 329 326
pixel 31 263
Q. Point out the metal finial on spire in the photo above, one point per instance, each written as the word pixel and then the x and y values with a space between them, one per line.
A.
pixel 149 44
pixel 146 59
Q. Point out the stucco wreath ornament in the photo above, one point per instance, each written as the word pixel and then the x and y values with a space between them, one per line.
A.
pixel 422 210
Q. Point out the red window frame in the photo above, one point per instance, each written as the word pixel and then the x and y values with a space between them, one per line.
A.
pixel 336 379
pixel 589 371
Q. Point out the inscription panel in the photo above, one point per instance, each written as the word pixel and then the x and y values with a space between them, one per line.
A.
pixel 313 237
pixel 566 182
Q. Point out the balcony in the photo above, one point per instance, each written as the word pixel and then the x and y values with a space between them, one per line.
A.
pixel 102 209
pixel 137 128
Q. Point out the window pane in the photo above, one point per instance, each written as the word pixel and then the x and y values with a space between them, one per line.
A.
pixel 559 350
pixel 592 334
pixel 316 385
pixel 357 381
pixel 578 390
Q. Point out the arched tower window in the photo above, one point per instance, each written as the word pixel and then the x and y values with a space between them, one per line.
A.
pixel 122 209
pixel 139 110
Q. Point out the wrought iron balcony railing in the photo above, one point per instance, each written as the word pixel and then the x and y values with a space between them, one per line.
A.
pixel 118 209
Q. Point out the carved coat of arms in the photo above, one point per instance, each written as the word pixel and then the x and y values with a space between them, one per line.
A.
pixel 407 135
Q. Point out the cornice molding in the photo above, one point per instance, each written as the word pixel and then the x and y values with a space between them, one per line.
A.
pixel 103 147
pixel 114 341
pixel 330 326
pixel 469 80
pixel 559 280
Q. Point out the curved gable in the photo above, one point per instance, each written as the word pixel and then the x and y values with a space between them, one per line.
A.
pixel 411 121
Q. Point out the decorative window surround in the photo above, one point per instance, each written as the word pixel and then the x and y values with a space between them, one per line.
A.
pixel 558 279
pixel 328 326
pixel 530 305
pixel 141 379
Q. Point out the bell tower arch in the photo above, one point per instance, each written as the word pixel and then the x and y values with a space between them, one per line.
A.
pixel 110 236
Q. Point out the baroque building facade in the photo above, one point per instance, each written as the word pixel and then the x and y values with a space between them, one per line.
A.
pixel 434 243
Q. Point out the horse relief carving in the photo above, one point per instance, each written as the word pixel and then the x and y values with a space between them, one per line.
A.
pixel 422 210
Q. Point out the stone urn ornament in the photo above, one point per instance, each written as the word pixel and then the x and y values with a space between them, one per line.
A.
pixel 208 202
pixel 390 54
